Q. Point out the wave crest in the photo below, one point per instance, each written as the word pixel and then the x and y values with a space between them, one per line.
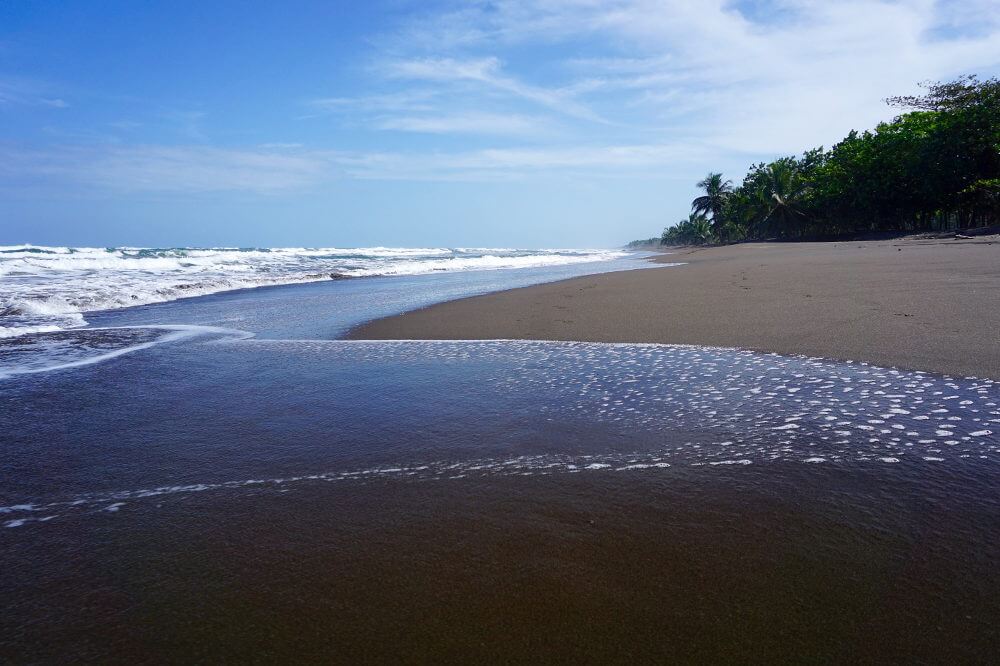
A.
pixel 49 288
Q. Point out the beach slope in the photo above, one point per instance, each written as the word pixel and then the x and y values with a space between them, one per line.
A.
pixel 923 304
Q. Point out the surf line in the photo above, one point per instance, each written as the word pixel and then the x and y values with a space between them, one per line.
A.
pixel 177 332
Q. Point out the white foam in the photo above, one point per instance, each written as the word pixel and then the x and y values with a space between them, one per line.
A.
pixel 14 331
pixel 48 288
pixel 658 390
pixel 173 333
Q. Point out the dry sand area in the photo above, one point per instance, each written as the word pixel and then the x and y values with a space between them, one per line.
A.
pixel 914 303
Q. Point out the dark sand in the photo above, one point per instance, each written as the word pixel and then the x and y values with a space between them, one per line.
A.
pixel 922 304
pixel 783 563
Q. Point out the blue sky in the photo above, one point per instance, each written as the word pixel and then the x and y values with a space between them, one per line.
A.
pixel 534 124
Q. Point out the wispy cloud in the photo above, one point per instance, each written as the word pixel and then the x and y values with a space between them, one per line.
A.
pixel 187 124
pixel 493 164
pixel 511 88
pixel 189 169
pixel 488 72
pixel 407 101
pixel 17 91
pixel 446 69
pixel 451 97
pixel 285 168
pixel 758 77
pixel 465 123
pixel 423 111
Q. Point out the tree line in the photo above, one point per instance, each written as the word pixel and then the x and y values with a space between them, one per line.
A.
pixel 935 167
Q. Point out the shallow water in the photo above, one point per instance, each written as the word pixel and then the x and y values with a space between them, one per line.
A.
pixel 324 309
pixel 281 412
pixel 217 496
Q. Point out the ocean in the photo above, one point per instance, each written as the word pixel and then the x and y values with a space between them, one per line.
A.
pixel 62 307
pixel 48 289
pixel 222 478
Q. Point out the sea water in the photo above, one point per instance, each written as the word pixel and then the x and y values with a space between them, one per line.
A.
pixel 46 289
pixel 67 307
pixel 213 411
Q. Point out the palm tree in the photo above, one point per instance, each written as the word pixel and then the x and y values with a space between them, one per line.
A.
pixel 714 199
pixel 783 193
pixel 699 228
pixel 695 230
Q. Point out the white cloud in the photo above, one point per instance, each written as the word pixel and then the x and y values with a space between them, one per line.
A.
pixel 657 88
pixel 287 168
pixel 166 168
pixel 425 111
pixel 446 69
pixel 488 72
pixel 17 91
pixel 407 100
pixel 491 164
pixel 479 83
pixel 781 78
pixel 464 123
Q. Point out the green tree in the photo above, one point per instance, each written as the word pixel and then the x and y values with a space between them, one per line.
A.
pixel 784 192
pixel 713 201
pixel 935 166
pixel 695 230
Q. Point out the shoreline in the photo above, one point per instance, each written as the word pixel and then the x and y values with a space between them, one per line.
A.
pixel 54 288
pixel 909 303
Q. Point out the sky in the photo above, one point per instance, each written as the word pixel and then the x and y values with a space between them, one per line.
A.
pixel 557 123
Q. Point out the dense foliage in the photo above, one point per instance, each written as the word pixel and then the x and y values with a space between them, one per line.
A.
pixel 935 167
pixel 695 230
pixel 644 242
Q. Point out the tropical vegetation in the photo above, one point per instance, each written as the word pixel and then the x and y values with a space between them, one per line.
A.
pixel 935 167
pixel 643 242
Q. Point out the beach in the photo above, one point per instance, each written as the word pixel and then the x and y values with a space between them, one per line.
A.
pixel 225 478
pixel 921 304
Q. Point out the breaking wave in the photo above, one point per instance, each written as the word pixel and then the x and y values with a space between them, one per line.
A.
pixel 47 289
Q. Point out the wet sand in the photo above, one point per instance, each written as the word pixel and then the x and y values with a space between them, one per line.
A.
pixel 777 563
pixel 921 304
